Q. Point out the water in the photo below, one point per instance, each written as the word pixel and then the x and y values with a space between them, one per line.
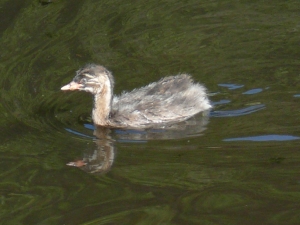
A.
pixel 238 165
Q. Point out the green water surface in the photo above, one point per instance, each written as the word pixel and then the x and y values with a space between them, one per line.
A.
pixel 243 168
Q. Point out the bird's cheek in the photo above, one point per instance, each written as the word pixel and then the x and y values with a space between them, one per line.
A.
pixel 88 89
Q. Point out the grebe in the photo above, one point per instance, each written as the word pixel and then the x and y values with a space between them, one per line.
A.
pixel 170 100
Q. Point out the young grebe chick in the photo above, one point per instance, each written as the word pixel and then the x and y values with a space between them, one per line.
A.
pixel 171 99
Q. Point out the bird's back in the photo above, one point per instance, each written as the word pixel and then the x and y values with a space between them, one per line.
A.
pixel 174 98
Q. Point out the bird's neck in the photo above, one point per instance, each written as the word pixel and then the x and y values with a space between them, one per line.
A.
pixel 102 106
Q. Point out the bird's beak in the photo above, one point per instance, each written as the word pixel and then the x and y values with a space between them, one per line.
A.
pixel 71 86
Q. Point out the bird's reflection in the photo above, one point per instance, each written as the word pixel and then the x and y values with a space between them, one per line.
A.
pixel 100 160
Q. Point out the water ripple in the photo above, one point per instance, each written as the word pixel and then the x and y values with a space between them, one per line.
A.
pixel 270 137
pixel 253 91
pixel 221 102
pixel 231 86
pixel 238 112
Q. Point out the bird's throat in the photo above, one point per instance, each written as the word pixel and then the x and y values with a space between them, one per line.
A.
pixel 102 107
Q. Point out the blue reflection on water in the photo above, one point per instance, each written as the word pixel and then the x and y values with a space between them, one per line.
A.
pixel 238 112
pixel 297 95
pixel 89 126
pixel 78 133
pixel 253 91
pixel 231 86
pixel 223 101
pixel 271 137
